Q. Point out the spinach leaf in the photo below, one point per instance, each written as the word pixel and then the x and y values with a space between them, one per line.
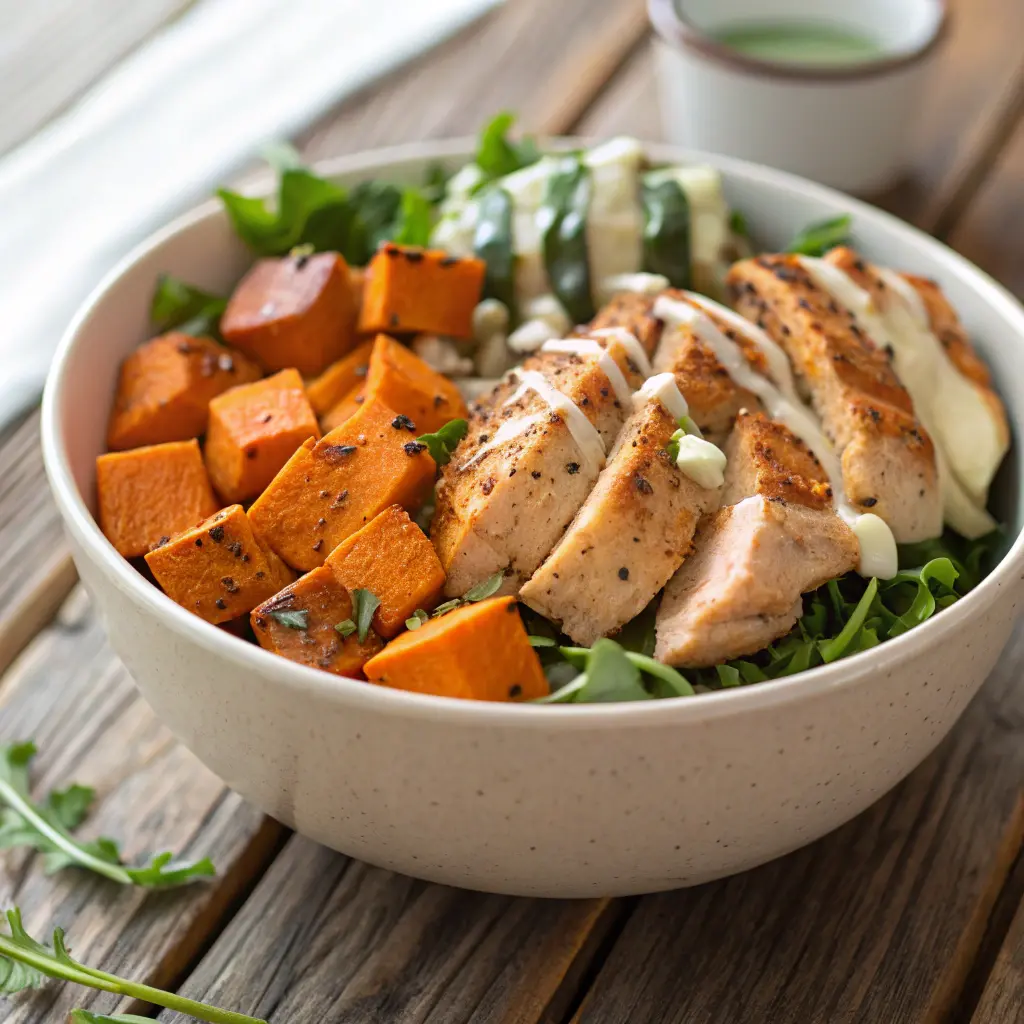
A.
pixel 492 242
pixel 177 306
pixel 816 239
pixel 497 155
pixel 562 219
pixel 667 232
pixel 611 676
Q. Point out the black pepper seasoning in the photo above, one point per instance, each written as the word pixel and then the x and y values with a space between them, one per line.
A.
pixel 623 573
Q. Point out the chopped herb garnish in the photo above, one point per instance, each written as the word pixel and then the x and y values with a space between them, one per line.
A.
pixel 46 828
pixel 542 641
pixel 445 607
pixel 346 627
pixel 417 619
pixel 488 588
pixel 738 224
pixel 443 442
pixel 497 155
pixel 816 239
pixel 24 963
pixel 366 602
pixel 297 619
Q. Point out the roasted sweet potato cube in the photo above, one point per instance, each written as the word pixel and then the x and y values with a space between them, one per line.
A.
pixel 400 379
pixel 299 624
pixel 218 569
pixel 294 311
pixel 392 557
pixel 328 490
pixel 477 652
pixel 165 387
pixel 254 430
pixel 339 379
pixel 147 495
pixel 345 409
pixel 412 290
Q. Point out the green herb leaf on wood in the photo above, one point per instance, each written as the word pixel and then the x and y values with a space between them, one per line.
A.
pixel 24 962
pixel 45 827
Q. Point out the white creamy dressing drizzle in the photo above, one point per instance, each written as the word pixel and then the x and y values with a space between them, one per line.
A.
pixel 877 546
pixel 589 347
pixel 583 432
pixel 968 448
pixel 506 432
pixel 631 343
pixel 778 362
pixel 663 388
pixel 701 461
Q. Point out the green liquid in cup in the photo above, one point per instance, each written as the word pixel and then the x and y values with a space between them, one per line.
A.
pixel 806 43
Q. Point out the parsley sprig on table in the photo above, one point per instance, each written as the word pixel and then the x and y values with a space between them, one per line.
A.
pixel 25 962
pixel 46 827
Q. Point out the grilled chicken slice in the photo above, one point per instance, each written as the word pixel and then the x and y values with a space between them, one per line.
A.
pixel 630 536
pixel 888 460
pixel 949 385
pixel 632 312
pixel 524 468
pixel 741 588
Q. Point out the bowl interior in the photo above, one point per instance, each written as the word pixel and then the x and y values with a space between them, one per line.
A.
pixel 202 249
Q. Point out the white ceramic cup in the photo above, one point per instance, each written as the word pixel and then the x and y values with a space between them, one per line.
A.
pixel 848 126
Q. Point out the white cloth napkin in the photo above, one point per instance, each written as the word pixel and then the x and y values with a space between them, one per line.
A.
pixel 163 128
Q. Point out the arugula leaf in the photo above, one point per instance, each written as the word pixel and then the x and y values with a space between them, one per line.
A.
pixel 346 627
pixel 816 239
pixel 183 307
pixel 443 442
pixel 839 645
pixel 46 828
pixel 611 676
pixel 24 962
pixel 497 155
pixel 366 602
pixel 297 618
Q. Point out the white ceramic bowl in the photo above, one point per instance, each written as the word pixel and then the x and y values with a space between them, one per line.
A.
pixel 848 126
pixel 556 801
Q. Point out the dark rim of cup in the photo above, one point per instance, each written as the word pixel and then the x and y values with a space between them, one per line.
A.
pixel 680 33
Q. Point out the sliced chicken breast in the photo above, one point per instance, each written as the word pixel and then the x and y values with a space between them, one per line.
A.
pixel 741 588
pixel 888 459
pixel 534 450
pixel 632 533
pixel 631 311
pixel 950 386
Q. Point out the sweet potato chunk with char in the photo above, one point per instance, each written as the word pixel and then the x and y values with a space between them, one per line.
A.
pixel 294 311
pixel 149 494
pixel 165 387
pixel 299 624
pixel 328 490
pixel 412 290
pixel 339 379
pixel 405 383
pixel 218 569
pixel 344 410
pixel 477 652
pixel 392 557
pixel 253 431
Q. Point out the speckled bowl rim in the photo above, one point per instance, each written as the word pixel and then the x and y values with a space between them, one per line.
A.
pixel 679 32
pixel 303 680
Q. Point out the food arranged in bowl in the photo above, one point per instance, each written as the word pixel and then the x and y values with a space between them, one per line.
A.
pixel 552 429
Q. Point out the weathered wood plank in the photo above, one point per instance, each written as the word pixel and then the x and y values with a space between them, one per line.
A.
pixel 541 59
pixel 69 694
pixel 327 938
pixel 1002 1000
pixel 36 571
pixel 992 227
pixel 879 921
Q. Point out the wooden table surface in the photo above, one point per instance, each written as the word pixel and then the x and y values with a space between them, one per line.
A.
pixel 913 912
